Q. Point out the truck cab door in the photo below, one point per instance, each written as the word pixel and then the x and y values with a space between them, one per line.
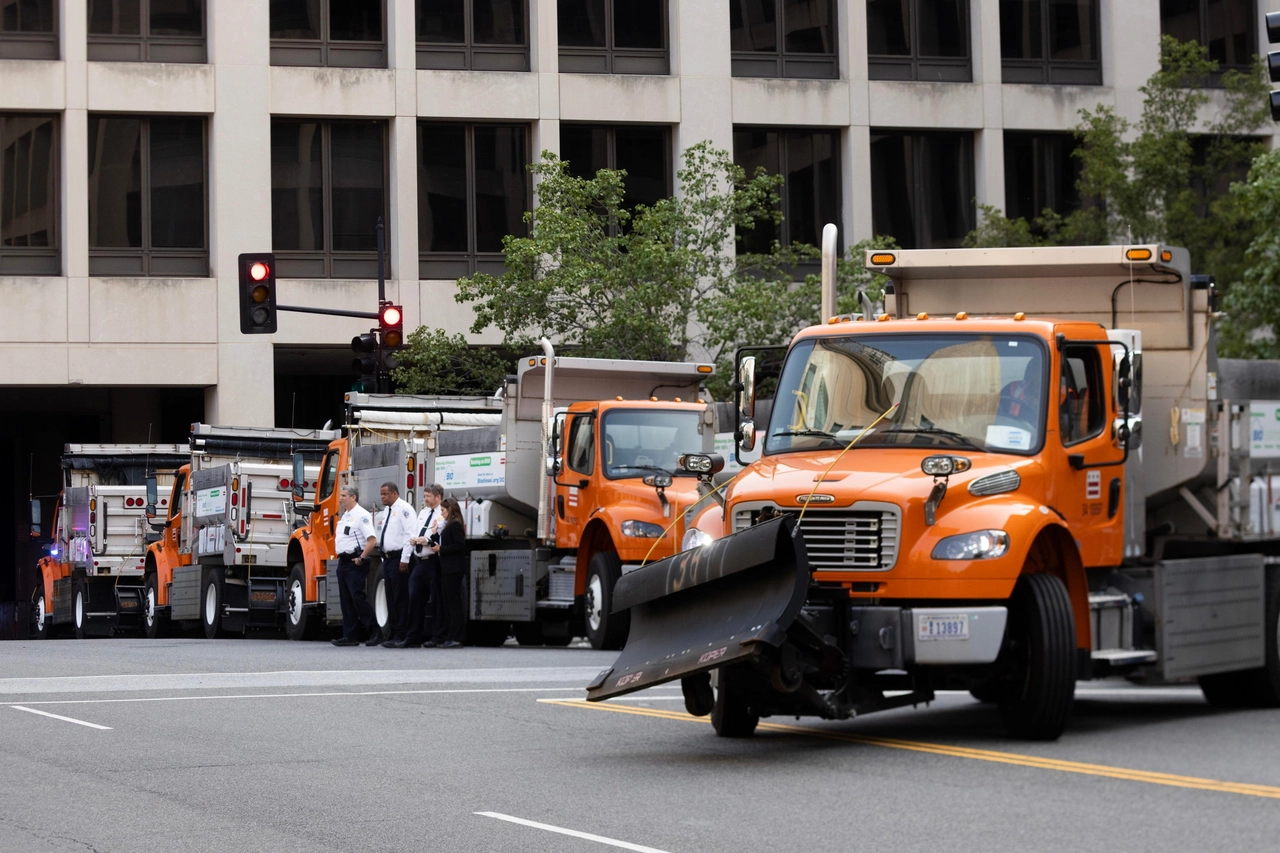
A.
pixel 327 498
pixel 1088 483
pixel 172 539
pixel 579 465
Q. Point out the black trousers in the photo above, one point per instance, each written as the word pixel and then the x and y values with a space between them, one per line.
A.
pixel 356 612
pixel 421 572
pixel 396 584
pixel 452 607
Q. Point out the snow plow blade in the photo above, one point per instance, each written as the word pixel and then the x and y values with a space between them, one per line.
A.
pixel 728 601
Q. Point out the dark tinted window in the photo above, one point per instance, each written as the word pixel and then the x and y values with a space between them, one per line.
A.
pixel 28 194
pixel 808 161
pixel 889 27
pixel 581 23
pixel 355 20
pixel 328 190
pixel 643 151
pixel 582 444
pixel 147 196
pixel 1050 41
pixel 177 17
pixel 473 190
pixel 115 17
pixel 441 21
pixel 613 36
pixel 918 40
pixel 639 23
pixel 295 19
pixel 472 34
pixel 1226 27
pixel 1071 29
pixel 146 30
pixel 943 28
pixel 783 38
pixel 1083 411
pixel 1040 173
pixel 1021 29
pixel 26 16
pixel 336 33
pixel 498 22
pixel 922 188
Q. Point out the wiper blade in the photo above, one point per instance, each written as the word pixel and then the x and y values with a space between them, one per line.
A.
pixel 937 431
pixel 807 432
pixel 643 468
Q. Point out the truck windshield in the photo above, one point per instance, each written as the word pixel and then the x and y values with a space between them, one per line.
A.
pixel 636 443
pixel 973 392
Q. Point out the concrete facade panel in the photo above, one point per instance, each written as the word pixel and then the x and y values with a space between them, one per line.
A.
pixel 478 94
pixel 33 364
pixel 150 87
pixel 31 84
pixel 619 98
pixel 142 364
pixel 925 105
pixel 336 92
pixel 153 310
pixel 35 309
pixel 1050 107
pixel 800 103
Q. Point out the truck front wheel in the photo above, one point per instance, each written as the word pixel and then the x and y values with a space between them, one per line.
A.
pixel 40 616
pixel 80 609
pixel 605 630
pixel 299 621
pixel 1041 634
pixel 152 621
pixel 211 604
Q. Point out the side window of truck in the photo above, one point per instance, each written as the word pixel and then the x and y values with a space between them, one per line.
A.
pixel 582 445
pixel 175 499
pixel 1081 401
pixel 329 475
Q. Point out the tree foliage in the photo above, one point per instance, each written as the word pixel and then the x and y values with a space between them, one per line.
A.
pixel 435 362
pixel 1253 303
pixel 1165 177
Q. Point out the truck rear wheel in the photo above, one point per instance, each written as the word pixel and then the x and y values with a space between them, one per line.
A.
pixel 40 616
pixel 80 610
pixel 153 622
pixel 1037 704
pixel 528 633
pixel 381 606
pixel 605 630
pixel 1252 688
pixel 731 716
pixel 300 622
pixel 211 604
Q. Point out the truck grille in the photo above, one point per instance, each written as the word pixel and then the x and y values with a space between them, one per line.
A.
pixel 842 540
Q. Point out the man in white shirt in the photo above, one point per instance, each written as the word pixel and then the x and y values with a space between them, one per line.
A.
pixel 425 563
pixel 393 540
pixel 355 541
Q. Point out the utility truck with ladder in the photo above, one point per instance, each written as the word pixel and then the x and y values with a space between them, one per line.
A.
pixel 1018 476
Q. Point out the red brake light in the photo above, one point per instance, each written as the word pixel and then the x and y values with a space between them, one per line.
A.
pixel 409 483
pixel 284 484
pixel 258 271
pixel 235 499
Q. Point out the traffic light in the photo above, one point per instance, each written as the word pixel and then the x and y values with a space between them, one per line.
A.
pixel 258 293
pixel 391 326
pixel 1273 61
pixel 365 364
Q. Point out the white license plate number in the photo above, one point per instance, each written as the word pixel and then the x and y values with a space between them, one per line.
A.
pixel 944 627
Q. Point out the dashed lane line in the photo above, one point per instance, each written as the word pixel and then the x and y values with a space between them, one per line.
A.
pixel 560 830
pixel 60 717
pixel 1033 761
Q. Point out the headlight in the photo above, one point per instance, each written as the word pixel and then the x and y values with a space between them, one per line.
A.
pixel 695 538
pixel 979 545
pixel 641 529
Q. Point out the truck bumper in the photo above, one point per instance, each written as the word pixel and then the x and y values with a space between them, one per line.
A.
pixel 895 637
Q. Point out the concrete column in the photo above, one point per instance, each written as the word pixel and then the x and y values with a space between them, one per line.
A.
pixel 402 248
pixel 700 54
pixel 240 204
pixel 988 143
pixel 855 160
pixel 75 170
pixel 544 60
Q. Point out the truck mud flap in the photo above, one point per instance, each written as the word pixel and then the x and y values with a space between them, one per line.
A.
pixel 728 601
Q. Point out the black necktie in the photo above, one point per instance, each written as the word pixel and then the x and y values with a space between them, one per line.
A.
pixel 383 542
pixel 427 523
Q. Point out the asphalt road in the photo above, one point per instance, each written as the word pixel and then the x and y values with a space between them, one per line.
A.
pixel 267 745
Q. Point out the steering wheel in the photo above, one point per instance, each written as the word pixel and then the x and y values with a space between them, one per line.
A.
pixel 1008 405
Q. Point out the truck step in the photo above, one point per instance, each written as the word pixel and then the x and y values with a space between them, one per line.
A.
pixel 1125 657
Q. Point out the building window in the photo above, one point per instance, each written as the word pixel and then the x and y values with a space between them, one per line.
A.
pixel 331 33
pixel 473 190
pixel 1040 174
pixel 474 35
pixel 28 29
pixel 784 38
pixel 328 188
pixel 643 151
pixel 1050 41
pixel 1223 26
pixel 146 30
pixel 147 197
pixel 922 187
pixel 809 161
pixel 28 195
pixel 919 40
pixel 613 36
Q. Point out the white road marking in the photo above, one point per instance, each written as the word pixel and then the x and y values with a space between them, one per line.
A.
pixel 600 839
pixel 311 695
pixel 58 717
pixel 293 678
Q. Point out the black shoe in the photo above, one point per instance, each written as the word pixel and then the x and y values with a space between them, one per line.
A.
pixel 408 644
pixel 431 644
pixel 343 641
pixel 375 640
pixel 393 644
pixel 452 644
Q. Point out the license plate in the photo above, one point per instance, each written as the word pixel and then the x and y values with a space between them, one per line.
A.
pixel 954 627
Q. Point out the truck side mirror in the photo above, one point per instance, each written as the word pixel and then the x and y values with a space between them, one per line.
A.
pixel 153 497
pixel 35 517
pixel 747 389
pixel 1124 382
pixel 299 475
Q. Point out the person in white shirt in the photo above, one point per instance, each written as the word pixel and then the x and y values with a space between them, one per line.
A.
pixel 426 564
pixel 393 540
pixel 355 541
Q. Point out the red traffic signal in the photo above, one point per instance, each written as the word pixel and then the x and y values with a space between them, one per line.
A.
pixel 391 326
pixel 257 293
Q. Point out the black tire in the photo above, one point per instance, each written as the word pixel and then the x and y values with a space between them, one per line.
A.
pixel 1037 704
pixel 154 622
pixel 80 610
pixel 211 604
pixel 528 633
pixel 300 621
pixel 486 634
pixel 605 630
pixel 991 693
pixel 41 618
pixel 731 716
pixel 1252 688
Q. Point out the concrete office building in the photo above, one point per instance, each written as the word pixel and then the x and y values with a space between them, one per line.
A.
pixel 147 143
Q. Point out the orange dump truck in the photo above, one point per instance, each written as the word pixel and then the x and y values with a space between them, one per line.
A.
pixel 953 495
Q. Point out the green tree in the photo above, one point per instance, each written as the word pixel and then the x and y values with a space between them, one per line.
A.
pixel 1163 178
pixel 435 362
pixel 1253 302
